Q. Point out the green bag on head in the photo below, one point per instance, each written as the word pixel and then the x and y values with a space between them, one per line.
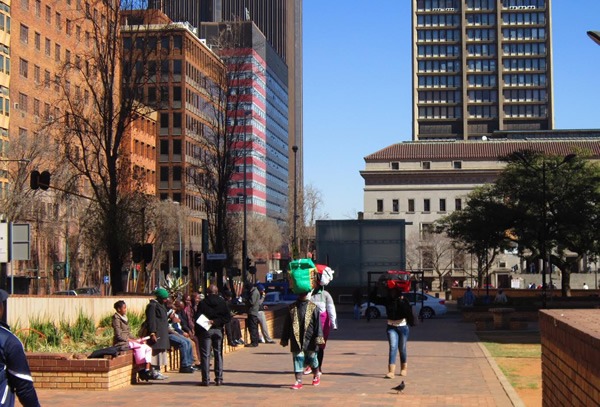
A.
pixel 302 276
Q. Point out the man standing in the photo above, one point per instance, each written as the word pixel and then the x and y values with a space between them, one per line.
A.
pixel 253 304
pixel 262 317
pixel 15 377
pixel 158 328
pixel 216 314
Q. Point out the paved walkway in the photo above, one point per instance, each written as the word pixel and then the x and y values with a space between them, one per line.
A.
pixel 446 367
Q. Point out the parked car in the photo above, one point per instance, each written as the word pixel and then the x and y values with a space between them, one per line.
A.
pixel 426 305
pixel 87 291
pixel 66 292
pixel 275 297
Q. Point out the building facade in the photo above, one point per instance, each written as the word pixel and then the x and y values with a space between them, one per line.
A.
pixel 480 66
pixel 421 182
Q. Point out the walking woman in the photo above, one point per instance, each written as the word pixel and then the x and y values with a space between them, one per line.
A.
pixel 400 318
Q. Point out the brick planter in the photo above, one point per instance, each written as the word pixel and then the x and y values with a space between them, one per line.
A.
pixel 58 371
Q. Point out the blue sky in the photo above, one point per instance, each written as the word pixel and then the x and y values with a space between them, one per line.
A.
pixel 358 90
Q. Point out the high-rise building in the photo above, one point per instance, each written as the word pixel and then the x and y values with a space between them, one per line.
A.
pixel 481 66
pixel 281 23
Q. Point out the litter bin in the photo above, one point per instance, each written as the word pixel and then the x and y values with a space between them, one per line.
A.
pixel 448 295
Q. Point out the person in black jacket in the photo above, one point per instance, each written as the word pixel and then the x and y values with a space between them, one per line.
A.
pixel 214 309
pixel 400 317
pixel 158 329
pixel 15 376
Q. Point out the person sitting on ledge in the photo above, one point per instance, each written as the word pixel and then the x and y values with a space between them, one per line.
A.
pixel 500 297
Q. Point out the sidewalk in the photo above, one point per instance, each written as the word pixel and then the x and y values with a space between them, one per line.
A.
pixel 446 367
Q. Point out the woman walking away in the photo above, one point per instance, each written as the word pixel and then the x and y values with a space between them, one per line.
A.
pixel 400 317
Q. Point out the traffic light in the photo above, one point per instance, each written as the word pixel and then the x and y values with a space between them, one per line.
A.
pixel 136 253
pixel 248 263
pixel 147 252
pixel 197 259
pixel 184 270
pixel 39 180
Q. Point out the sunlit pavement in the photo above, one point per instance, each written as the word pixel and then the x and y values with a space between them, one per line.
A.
pixel 446 367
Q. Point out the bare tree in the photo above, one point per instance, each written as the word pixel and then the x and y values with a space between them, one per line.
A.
pixel 98 100
pixel 430 252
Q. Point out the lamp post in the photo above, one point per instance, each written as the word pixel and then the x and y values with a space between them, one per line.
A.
pixel 179 232
pixel 545 254
pixel 294 243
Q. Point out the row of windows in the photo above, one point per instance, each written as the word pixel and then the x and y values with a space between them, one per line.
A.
pixel 438 65
pixel 438 50
pixel 525 64
pixel 438 20
pixel 440 112
pixel 481 4
pixel 481 19
pixel 526 110
pixel 5 23
pixel 526 48
pixel 480 112
pixel 453 5
pixel 4 106
pixel 486 50
pixel 526 95
pixel 523 3
pixel 4 64
pixel 440 96
pixel 481 80
pixel 438 35
pixel 151 43
pixel 524 33
pixel 411 207
pixel 428 5
pixel 481 34
pixel 523 18
pixel 481 65
pixel 482 95
pixel 525 80
pixel 439 81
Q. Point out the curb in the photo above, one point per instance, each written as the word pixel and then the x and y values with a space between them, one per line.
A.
pixel 508 389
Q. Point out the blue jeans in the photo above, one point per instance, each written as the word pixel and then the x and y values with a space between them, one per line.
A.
pixel 397 338
pixel 356 311
pixel 185 349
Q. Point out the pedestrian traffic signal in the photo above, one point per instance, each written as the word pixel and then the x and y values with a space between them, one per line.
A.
pixel 248 263
pixel 147 252
pixel 184 270
pixel 197 259
pixel 39 180
pixel 136 253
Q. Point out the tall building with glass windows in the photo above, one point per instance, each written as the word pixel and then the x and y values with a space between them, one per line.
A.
pixel 481 66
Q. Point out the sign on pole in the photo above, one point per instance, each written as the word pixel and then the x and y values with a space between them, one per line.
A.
pixel 216 256
pixel 4 258
pixel 20 245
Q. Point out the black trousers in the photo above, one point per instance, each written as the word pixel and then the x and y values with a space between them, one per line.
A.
pixel 253 328
pixel 213 338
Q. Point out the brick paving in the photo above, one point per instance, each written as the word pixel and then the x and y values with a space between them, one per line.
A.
pixel 446 367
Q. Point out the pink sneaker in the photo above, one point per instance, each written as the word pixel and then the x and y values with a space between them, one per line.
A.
pixel 317 380
pixel 307 370
pixel 296 386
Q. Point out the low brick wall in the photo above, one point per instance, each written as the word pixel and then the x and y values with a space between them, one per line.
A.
pixel 60 371
pixel 57 371
pixel 570 357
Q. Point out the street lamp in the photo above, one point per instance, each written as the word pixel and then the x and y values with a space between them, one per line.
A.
pixel 180 244
pixel 544 212
pixel 245 233
pixel 294 243
pixel 595 36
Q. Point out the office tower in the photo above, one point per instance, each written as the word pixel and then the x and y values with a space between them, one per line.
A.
pixel 281 23
pixel 481 66
pixel 258 115
pixel 4 94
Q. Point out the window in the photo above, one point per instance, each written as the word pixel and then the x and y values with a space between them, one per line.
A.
pixel 176 173
pixel 164 147
pixel 38 41
pixel 176 147
pixel 164 120
pixel 36 107
pixel 46 79
pixel 411 205
pixel 23 100
pixel 38 8
pixel 25 4
pixel 47 45
pixel 164 174
pixel 58 21
pixel 37 74
pixel 427 258
pixel 442 205
pixel 395 206
pixel 24 34
pixel 458 204
pixel 426 231
pixel 426 165
pixel 23 67
pixel 457 165
pixel 69 27
pixel 380 205
pixel 426 205
pixel 48 15
pixel 395 166
pixel 57 52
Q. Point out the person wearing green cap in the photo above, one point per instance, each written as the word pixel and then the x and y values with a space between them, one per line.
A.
pixel 158 328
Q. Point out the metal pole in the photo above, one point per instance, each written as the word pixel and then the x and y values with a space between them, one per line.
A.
pixel 544 226
pixel 294 243
pixel 180 250
pixel 245 232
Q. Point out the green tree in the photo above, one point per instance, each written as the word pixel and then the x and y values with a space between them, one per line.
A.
pixel 480 228
pixel 553 203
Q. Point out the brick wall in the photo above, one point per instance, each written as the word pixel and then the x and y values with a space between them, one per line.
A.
pixel 570 357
